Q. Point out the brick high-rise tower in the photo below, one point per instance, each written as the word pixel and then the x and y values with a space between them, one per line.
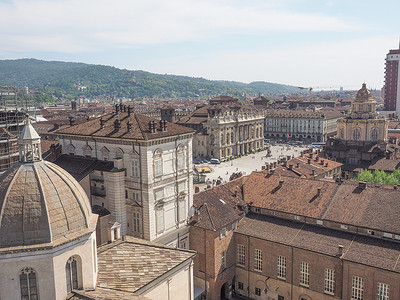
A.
pixel 392 81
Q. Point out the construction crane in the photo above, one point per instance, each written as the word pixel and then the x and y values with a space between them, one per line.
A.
pixel 306 88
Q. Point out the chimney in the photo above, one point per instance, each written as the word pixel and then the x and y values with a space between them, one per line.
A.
pixel 129 126
pixel 116 108
pixel 340 250
pixel 163 125
pixel 309 161
pixel 121 107
pixel 362 185
pixel 102 123
pixel 129 110
pixel 322 162
pixel 271 171
pixel 124 108
pixel 298 165
pixel 319 192
pixel 317 158
pixel 313 172
pixel 117 125
pixel 72 120
pixel 326 165
pixel 281 181
pixel 152 126
pixel 290 167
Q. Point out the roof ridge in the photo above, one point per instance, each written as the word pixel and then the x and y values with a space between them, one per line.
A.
pixel 140 126
pixel 209 215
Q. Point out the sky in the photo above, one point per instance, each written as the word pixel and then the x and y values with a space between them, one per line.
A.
pixel 310 43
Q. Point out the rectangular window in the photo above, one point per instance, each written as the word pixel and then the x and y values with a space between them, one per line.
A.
pixel 304 274
pixel 160 220
pixel 240 255
pixel 383 291
pixel 157 167
pixel 257 291
pixel 181 210
pixel 159 195
pixel 282 267
pixel 135 168
pixel 223 260
pixel 329 283
pixel 223 233
pixel 136 221
pixel 357 291
pixel 181 161
pixel 135 197
pixel 240 285
pixel 258 260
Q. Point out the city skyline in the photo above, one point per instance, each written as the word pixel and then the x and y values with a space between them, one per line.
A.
pixel 319 44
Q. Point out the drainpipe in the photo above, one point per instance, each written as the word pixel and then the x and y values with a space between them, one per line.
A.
pixel 205 263
pixel 248 267
pixel 291 286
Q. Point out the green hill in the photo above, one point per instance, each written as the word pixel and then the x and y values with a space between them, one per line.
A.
pixel 70 80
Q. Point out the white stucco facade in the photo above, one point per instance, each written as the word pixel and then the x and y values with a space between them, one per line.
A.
pixel 146 204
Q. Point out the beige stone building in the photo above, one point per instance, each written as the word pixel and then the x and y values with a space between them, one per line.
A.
pixel 225 128
pixel 48 242
pixel 148 188
pixel 363 124
pixel 315 125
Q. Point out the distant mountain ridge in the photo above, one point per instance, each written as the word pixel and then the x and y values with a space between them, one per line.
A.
pixel 70 80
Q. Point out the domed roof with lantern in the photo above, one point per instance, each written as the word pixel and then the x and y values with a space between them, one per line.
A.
pixel 364 94
pixel 40 203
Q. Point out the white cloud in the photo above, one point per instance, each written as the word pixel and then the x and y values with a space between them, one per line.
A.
pixel 73 25
pixel 319 65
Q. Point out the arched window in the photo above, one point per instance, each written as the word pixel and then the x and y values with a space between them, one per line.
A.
pixel 342 133
pixel 157 163
pixel 212 139
pixel 71 149
pixel 232 140
pixel 118 153
pixel 222 139
pixel 356 134
pixel 105 153
pixel 87 151
pixel 28 284
pixel 227 138
pixel 71 271
pixel 374 134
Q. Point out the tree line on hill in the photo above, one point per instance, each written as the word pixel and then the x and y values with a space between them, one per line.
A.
pixel 53 81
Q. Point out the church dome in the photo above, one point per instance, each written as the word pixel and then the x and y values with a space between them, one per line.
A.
pixel 363 93
pixel 40 203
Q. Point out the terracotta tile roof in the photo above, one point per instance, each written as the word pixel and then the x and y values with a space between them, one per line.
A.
pixel 139 128
pixel 218 207
pixel 359 249
pixel 296 196
pixel 389 165
pixel 130 265
pixel 376 207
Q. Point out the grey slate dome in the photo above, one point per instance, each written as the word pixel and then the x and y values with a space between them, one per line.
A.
pixel 40 203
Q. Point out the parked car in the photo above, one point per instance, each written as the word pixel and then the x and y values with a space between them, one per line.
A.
pixel 215 161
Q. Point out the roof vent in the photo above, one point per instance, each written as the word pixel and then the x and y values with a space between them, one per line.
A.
pixel 129 110
pixel 102 123
pixel 129 126
pixel 116 108
pixel 309 161
pixel 340 250
pixel 319 192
